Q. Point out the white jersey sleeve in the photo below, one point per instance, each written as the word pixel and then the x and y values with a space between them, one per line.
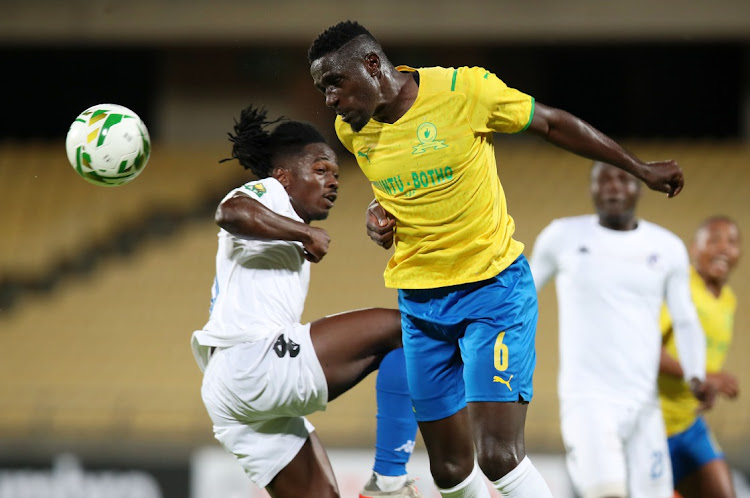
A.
pixel 260 285
pixel 272 195
pixel 688 333
pixel 543 260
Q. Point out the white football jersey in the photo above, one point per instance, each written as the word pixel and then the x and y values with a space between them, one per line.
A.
pixel 260 285
pixel 610 288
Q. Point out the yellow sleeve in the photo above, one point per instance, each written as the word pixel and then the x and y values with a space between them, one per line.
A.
pixel 492 105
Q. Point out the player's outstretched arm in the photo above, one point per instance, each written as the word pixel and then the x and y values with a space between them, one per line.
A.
pixel 668 365
pixel 575 135
pixel 246 218
pixel 704 391
pixel 688 333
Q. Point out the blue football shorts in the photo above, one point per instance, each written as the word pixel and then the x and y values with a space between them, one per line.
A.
pixel 470 342
pixel 692 449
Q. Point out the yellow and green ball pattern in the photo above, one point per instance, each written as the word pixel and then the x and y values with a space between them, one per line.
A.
pixel 108 145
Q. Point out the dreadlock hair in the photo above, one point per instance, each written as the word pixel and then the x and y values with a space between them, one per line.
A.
pixel 256 148
pixel 336 37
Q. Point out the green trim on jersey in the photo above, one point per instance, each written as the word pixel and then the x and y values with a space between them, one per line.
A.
pixel 531 116
pixel 453 83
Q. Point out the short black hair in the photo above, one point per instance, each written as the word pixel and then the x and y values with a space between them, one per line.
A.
pixel 336 37
pixel 256 148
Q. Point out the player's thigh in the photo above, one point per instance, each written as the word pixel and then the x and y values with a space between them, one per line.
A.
pixel 498 434
pixel 498 348
pixel 434 369
pixel 351 345
pixel 650 469
pixel 698 464
pixel 449 445
pixel 262 448
pixel 594 450
pixel 696 447
pixel 712 480
pixel 309 473
pixel 498 353
pixel 279 376
pixel 483 331
pixel 255 398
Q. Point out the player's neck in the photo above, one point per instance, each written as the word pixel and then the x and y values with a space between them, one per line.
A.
pixel 403 90
pixel 620 223
pixel 713 285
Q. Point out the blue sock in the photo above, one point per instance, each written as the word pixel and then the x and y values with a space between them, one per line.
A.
pixel 397 426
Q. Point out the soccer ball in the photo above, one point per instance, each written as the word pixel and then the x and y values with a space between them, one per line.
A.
pixel 108 145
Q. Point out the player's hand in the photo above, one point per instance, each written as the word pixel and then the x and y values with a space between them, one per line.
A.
pixel 317 244
pixel 705 392
pixel 726 384
pixel 663 176
pixel 381 226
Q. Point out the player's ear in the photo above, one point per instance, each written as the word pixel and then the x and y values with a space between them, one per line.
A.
pixel 372 62
pixel 283 175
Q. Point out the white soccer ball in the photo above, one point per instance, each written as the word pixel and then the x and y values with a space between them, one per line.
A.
pixel 108 145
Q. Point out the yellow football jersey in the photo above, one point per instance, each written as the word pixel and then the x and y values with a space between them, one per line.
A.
pixel 717 319
pixel 434 170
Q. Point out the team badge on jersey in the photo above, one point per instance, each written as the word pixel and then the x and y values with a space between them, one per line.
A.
pixel 427 136
pixel 257 188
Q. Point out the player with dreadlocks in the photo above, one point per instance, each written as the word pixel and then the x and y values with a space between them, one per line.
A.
pixel 264 371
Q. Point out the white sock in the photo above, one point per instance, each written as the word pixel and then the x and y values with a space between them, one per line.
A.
pixel 471 487
pixel 389 483
pixel 523 481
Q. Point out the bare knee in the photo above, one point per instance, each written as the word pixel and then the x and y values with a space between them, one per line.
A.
pixel 450 448
pixel 496 460
pixel 498 436
pixel 450 473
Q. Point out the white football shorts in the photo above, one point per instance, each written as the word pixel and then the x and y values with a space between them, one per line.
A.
pixel 616 449
pixel 257 395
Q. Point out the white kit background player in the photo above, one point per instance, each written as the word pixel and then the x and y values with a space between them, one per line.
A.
pixel 263 369
pixel 613 273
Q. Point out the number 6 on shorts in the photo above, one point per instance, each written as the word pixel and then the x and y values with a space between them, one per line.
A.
pixel 501 353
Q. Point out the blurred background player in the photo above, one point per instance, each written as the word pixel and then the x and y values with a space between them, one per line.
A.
pixel 698 464
pixel 613 271
pixel 424 139
pixel 263 370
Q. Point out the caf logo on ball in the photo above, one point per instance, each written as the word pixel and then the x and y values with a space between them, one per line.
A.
pixel 108 145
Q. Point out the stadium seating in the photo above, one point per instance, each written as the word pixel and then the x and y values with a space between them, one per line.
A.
pixel 53 214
